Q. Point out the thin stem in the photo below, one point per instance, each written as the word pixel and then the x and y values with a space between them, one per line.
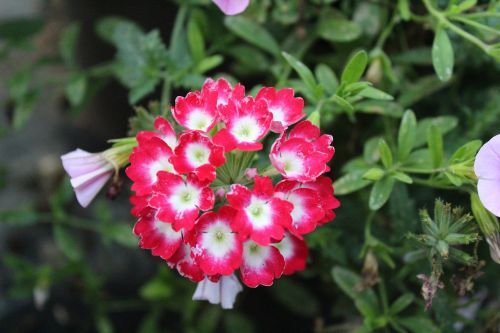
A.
pixel 422 171
pixel 447 24
pixel 476 25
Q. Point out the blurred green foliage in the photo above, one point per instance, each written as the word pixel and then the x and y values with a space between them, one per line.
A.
pixel 407 88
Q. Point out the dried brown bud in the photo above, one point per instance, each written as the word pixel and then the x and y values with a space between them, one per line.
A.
pixel 115 188
pixel 429 288
pixel 369 273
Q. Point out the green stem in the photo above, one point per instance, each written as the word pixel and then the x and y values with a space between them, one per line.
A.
pixel 443 20
pixel 476 25
pixel 422 171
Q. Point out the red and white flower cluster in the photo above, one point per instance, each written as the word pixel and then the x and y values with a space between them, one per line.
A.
pixel 207 227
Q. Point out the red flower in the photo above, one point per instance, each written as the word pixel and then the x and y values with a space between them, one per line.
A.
pixel 303 155
pixel 180 200
pixel 156 235
pixel 146 160
pixel 197 111
pixel 165 131
pixel 286 108
pixel 217 248
pixel 224 91
pixel 183 261
pixel 261 215
pixel 294 251
pixel 261 264
pixel 246 123
pixel 307 208
pixel 196 153
pixel 323 186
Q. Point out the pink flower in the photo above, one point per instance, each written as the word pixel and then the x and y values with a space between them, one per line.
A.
pixel 164 131
pixel 88 172
pixel 197 111
pixel 217 247
pixel 307 209
pixel 294 251
pixel 246 123
pixel 196 153
pixel 180 200
pixel 224 91
pixel 261 264
pixel 156 235
pixel 222 292
pixel 147 159
pixel 286 108
pixel 487 169
pixel 261 215
pixel 232 7
pixel 324 187
pixel 303 155
pixel 183 261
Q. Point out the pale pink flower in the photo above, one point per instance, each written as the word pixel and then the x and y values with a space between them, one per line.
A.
pixel 88 172
pixel 232 7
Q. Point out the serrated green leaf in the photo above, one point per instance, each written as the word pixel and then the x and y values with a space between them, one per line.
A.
pixel 442 55
pixel 380 193
pixel 252 33
pixel 406 135
pixel 354 68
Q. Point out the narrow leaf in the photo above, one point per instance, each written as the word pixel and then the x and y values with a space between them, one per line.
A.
pixel 406 135
pixel 380 193
pixel 435 143
pixel 355 67
pixel 442 55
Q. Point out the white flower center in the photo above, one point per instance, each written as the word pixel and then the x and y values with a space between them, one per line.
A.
pixel 197 154
pixel 298 211
pixel 199 120
pixel 160 165
pixel 185 197
pixel 278 114
pixel 246 129
pixel 292 164
pixel 218 239
pixel 259 213
pixel 166 230
pixel 285 247
pixel 254 254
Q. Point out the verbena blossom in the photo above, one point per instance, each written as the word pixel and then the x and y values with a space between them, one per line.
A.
pixel 487 169
pixel 204 207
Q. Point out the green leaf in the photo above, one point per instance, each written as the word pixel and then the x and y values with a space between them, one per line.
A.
pixel 402 177
pixel 418 324
pixel 120 233
pixel 21 216
pixel 443 123
pixel 76 89
pixel 305 73
pixel 374 174
pixel 344 104
pixel 139 91
pixel 67 243
pixel 296 298
pixel 401 303
pixel 466 152
pixel 252 33
pixel 195 40
pixel 374 93
pixel 315 118
pixel 209 63
pixel 237 322
pixel 385 153
pixel 327 78
pixel 351 182
pixel 380 193
pixel 442 55
pixel 355 68
pixel 488 223
pixel 347 281
pixel 338 30
pixel 414 91
pixel 404 9
pixel 435 143
pixel 384 108
pixel 156 289
pixel 406 135
pixel 68 43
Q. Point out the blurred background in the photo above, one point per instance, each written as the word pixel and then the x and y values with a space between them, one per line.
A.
pixel 71 73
